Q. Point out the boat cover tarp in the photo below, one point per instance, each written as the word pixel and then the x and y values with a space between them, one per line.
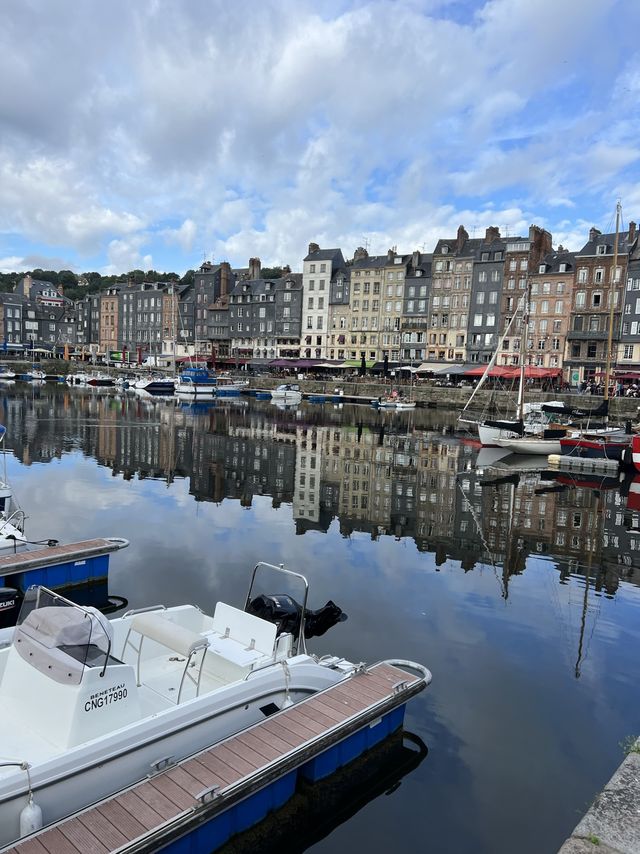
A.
pixel 577 411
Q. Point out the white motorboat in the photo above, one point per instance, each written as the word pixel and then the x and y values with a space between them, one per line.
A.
pixel 11 517
pixel 156 384
pixel 227 386
pixel 6 373
pixel 78 378
pixel 287 393
pixel 89 706
pixel 196 382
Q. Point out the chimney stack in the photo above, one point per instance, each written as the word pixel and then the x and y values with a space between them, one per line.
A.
pixel 225 276
pixel 415 259
pixel 461 238
pixel 632 232
pixel 390 255
pixel 254 268
pixel 360 254
pixel 313 247
pixel 491 234
pixel 593 233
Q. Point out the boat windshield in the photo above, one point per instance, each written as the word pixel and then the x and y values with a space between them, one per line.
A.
pixel 60 638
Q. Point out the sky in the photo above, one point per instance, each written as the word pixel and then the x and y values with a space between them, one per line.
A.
pixel 159 133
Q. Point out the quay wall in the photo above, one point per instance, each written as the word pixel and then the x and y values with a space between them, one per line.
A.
pixel 425 394
pixel 612 823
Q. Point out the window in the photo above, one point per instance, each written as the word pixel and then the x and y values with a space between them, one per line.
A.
pixel 312 268
pixel 480 298
pixel 628 351
pixel 559 306
pixel 482 277
pixel 596 300
pixel 601 249
pixel 592 350
pixel 491 320
pixel 477 320
pixel 287 297
pixel 582 275
pixel 598 276
pixel 581 298
pixel 323 268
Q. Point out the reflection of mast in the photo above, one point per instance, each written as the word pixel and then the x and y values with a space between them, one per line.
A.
pixel 583 617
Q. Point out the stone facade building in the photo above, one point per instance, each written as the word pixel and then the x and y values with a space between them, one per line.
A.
pixel 317 271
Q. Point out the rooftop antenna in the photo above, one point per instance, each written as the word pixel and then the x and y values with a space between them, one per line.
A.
pixel 366 243
pixel 473 230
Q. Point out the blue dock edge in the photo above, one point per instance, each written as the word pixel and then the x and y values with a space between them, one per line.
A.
pixel 60 574
pixel 247 813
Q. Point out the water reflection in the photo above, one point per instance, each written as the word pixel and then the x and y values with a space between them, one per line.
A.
pixel 403 475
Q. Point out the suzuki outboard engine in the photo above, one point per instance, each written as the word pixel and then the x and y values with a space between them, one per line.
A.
pixel 285 612
pixel 10 602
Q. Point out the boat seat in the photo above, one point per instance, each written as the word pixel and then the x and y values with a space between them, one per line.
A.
pixel 177 638
pixel 169 634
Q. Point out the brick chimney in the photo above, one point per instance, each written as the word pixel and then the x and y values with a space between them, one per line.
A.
pixel 415 259
pixel 632 232
pixel 254 268
pixel 491 234
pixel 390 256
pixel 593 233
pixel 225 278
pixel 541 244
pixel 461 238
pixel 313 247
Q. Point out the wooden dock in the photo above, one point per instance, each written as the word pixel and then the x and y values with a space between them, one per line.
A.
pixel 331 727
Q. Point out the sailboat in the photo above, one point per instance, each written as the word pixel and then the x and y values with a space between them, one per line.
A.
pixel 608 442
pixel 532 431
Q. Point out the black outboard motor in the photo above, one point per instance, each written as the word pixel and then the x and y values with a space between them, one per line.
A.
pixel 285 612
pixel 10 602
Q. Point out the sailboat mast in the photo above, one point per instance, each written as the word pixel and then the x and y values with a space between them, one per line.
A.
pixel 524 334
pixel 613 291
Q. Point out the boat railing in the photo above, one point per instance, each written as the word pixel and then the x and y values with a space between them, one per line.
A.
pixel 16 519
pixel 300 643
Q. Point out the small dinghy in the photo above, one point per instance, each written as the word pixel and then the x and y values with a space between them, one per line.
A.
pixel 90 706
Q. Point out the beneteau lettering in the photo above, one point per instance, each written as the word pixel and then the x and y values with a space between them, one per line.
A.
pixel 106 697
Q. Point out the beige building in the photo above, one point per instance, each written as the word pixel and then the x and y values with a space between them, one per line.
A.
pixel 109 320
pixel 549 311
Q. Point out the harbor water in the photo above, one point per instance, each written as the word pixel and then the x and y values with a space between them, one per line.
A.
pixel 517 587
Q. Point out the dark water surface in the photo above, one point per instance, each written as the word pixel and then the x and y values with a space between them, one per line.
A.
pixel 481 576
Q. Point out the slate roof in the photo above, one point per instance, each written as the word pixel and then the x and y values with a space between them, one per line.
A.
pixel 325 255
pixel 553 260
pixel 469 247
pixel 607 240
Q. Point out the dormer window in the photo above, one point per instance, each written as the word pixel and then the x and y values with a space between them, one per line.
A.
pixel 601 249
pixel 445 249
pixel 562 268
pixel 542 268
pixel 288 284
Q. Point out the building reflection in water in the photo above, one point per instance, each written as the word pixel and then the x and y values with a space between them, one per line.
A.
pixel 403 475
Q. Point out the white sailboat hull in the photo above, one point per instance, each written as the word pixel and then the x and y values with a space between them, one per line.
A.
pixel 530 445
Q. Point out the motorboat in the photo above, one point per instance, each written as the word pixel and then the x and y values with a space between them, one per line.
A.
pixel 287 393
pixel 196 382
pixel 6 373
pixel 33 375
pixel 78 378
pixel 607 444
pixel 156 384
pixel 227 386
pixel 90 706
pixel 99 379
pixel 12 518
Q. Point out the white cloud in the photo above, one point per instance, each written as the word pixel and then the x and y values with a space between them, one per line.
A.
pixel 184 235
pixel 259 132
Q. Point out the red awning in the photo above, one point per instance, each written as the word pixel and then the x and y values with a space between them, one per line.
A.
pixel 513 372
